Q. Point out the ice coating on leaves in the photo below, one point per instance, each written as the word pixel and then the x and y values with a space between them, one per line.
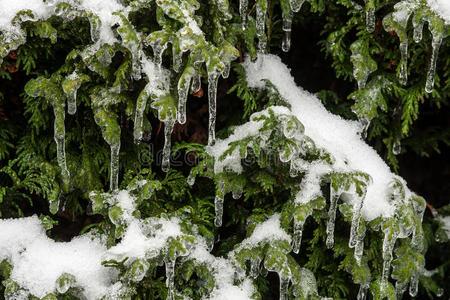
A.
pixel 327 130
pixel 39 261
pixel 363 65
pixel 13 35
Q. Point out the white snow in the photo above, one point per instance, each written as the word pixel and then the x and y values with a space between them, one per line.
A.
pixel 338 136
pixel 442 8
pixel 268 230
pixel 39 261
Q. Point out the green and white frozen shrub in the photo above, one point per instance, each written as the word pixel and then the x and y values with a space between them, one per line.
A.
pixel 323 162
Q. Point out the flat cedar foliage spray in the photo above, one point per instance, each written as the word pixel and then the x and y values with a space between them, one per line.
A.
pixel 161 149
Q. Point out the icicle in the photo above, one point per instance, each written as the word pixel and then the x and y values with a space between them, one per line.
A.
pixel 414 285
pixel 183 90
pixel 365 123
pixel 359 249
pixel 334 197
pixel 170 274
pixel 418 28
pixel 213 77
pixel 177 59
pixel 403 76
pixel 356 234
pixel 396 147
pixel 158 50
pixel 243 6
pixel 284 287
pixel 168 128
pixel 436 44
pixel 226 71
pixel 370 16
pixel 362 293
pixel 297 237
pixel 59 136
pixel 400 289
pixel 254 266
pixel 287 27
pixel 260 27
pixel 114 176
pixel 196 83
pixel 218 204
pixel 141 103
pixel 296 5
pixel 390 237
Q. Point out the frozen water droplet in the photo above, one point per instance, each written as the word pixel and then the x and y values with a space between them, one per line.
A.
pixel 168 128
pixel 191 179
pixel 196 83
pixel 397 147
pixel 213 77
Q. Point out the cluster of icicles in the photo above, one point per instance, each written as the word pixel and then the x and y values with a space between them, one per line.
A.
pixel 397 22
pixel 344 188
